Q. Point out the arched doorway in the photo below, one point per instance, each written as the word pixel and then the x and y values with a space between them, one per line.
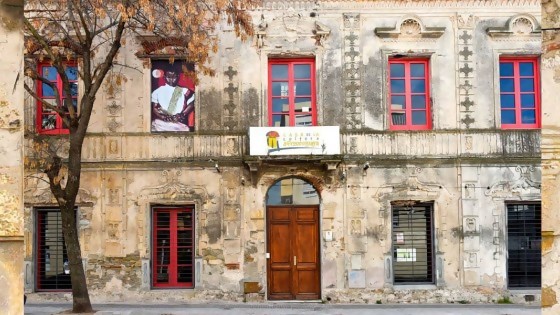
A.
pixel 293 266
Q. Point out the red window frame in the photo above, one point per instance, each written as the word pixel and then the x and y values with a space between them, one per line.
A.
pixel 166 251
pixel 518 107
pixel 291 80
pixel 396 114
pixel 58 282
pixel 41 112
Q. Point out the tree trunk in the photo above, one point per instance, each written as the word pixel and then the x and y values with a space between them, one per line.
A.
pixel 80 294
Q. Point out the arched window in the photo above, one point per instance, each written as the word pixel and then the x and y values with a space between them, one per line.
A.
pixel 292 191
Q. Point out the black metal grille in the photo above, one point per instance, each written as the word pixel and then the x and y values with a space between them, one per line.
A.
pixel 524 245
pixel 51 252
pixel 412 239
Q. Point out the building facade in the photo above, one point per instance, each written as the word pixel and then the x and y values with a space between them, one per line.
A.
pixel 550 153
pixel 349 152
pixel 11 159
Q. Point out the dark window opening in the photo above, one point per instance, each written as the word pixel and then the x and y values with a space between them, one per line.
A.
pixel 412 239
pixel 53 273
pixel 524 245
pixel 173 247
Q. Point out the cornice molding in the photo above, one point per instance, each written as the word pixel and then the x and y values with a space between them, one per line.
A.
pixel 346 4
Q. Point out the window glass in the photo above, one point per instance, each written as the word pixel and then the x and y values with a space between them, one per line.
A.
pixel 507 100
pixel 397 70
pixel 302 71
pixel 506 69
pixel 526 69
pixel 409 94
pixel 279 72
pixel 519 94
pixel 508 117
pixel 397 86
pixel 292 89
pixel 417 70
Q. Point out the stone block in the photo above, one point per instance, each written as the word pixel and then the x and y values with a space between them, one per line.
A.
pixel 231 213
pixel 257 214
pixel 232 229
pixel 472 243
pixel 357 279
pixel 329 273
pixel 357 244
pixel 329 210
pixel 231 258
pixel 472 277
pixel 113 249
pixel 232 246
pixel 356 262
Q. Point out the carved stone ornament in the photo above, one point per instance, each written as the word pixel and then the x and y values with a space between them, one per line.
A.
pixel 409 27
pixel 44 196
pixel 291 26
pixel 517 27
pixel 411 188
pixel 523 186
pixel 173 190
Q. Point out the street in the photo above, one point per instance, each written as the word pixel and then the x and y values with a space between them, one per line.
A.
pixel 288 309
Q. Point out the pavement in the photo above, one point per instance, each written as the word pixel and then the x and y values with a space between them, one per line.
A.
pixel 288 308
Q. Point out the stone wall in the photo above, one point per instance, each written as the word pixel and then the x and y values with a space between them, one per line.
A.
pixel 550 157
pixel 11 159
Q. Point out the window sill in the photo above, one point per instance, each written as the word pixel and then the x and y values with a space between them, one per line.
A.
pixel 414 287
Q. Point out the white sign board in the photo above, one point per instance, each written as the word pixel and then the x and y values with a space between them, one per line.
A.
pixel 406 254
pixel 323 140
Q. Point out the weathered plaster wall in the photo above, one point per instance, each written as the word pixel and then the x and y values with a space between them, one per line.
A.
pixel 550 157
pixel 11 162
pixel 466 165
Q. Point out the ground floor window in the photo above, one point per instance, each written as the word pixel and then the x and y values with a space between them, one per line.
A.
pixel 173 247
pixel 53 272
pixel 524 245
pixel 412 239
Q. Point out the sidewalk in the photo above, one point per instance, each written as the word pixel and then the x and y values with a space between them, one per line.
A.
pixel 270 308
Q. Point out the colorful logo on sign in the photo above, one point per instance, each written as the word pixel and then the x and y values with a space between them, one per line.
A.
pixel 272 140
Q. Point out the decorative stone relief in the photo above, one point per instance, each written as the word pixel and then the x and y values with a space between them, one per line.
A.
pixel 468 143
pixel 43 195
pixel 113 196
pixel 518 27
pixel 469 190
pixel 356 227
pixel 352 70
pixel 173 190
pixel 232 146
pixel 465 24
pixel 471 260
pixel 289 28
pixel 470 225
pixel 231 91
pixel 410 28
pixel 523 186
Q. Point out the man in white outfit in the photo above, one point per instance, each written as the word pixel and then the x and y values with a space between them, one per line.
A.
pixel 171 104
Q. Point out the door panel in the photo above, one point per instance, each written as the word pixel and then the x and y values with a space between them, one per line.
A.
pixel 293 243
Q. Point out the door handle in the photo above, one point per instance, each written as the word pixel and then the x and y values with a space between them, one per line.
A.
pixel 295 260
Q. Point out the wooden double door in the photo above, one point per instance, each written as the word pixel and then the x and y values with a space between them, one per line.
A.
pixel 293 267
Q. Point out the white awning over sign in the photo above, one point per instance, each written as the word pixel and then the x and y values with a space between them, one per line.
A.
pixel 320 140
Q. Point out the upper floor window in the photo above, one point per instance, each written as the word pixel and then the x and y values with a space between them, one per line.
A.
pixel 519 93
pixel 48 121
pixel 291 96
pixel 409 94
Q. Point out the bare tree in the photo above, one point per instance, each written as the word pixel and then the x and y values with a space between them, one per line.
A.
pixel 90 33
